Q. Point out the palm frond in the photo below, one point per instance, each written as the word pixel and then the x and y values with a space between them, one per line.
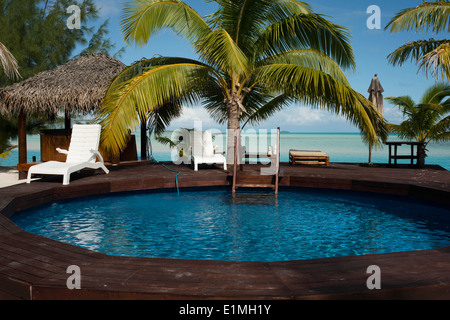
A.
pixel 310 58
pixel 256 115
pixel 434 16
pixel 436 94
pixel 143 18
pixel 440 132
pixel 404 130
pixel 321 90
pixel 245 20
pixel 160 119
pixel 405 103
pixel 218 49
pixel 413 51
pixel 8 63
pixel 281 9
pixel 425 121
pixel 242 19
pixel 5 151
pixel 127 101
pixel 166 141
pixel 437 62
pixel 305 31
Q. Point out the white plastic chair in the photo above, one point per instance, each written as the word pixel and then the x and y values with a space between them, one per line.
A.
pixel 203 150
pixel 82 153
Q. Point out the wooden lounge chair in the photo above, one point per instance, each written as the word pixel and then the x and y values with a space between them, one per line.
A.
pixel 82 153
pixel 308 157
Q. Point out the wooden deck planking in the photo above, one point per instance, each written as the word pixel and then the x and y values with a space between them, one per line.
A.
pixel 39 264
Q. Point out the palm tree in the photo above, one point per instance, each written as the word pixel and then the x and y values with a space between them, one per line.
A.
pixel 9 63
pixel 10 67
pixel 432 55
pixel 426 121
pixel 256 57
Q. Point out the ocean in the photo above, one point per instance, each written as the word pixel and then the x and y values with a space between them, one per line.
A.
pixel 341 147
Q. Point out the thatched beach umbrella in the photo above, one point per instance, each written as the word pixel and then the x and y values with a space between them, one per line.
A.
pixel 376 97
pixel 76 87
pixel 376 94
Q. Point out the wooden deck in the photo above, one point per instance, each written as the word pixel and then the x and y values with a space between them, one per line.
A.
pixel 34 267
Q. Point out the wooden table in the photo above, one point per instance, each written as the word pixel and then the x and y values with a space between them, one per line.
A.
pixel 393 154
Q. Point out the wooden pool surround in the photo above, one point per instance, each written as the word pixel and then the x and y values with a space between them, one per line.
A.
pixel 35 267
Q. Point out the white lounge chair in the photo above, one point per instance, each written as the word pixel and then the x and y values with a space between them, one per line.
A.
pixel 203 150
pixel 82 153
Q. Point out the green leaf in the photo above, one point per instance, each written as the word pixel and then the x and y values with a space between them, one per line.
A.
pixel 308 31
pixel 218 49
pixel 8 63
pixel 321 90
pixel 142 19
pixel 427 120
pixel 437 62
pixel 310 58
pixel 130 99
pixel 427 15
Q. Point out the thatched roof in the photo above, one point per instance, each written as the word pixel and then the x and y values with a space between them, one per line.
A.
pixel 77 86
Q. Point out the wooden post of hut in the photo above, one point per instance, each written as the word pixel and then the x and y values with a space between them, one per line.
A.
pixel 67 121
pixel 22 143
pixel 144 140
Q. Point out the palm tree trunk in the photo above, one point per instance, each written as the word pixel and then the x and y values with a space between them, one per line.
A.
pixel 233 126
pixel 421 154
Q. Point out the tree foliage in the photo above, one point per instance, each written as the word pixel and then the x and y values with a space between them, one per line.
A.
pixel 36 34
pixel 432 56
pixel 255 57
pixel 425 121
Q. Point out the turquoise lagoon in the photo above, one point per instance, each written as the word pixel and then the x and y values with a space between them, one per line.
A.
pixel 341 147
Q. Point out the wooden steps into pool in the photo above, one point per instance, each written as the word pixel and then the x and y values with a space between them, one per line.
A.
pixel 268 177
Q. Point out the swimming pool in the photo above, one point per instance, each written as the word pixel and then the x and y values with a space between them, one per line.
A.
pixel 212 225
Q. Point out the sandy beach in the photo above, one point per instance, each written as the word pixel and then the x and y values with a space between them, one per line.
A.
pixel 9 176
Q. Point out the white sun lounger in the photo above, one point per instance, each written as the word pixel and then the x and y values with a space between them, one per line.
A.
pixel 203 151
pixel 82 153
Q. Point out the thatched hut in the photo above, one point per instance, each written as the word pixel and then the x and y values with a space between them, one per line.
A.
pixel 76 87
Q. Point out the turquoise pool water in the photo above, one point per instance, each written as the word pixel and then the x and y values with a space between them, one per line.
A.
pixel 212 225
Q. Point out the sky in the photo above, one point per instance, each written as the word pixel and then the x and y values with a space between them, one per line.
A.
pixel 371 48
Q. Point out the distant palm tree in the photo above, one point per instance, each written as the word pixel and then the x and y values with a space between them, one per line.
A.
pixel 427 121
pixel 256 57
pixel 432 55
pixel 8 63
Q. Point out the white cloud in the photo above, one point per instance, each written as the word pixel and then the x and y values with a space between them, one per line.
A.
pixel 393 114
pixel 294 119
pixel 302 116
pixel 191 115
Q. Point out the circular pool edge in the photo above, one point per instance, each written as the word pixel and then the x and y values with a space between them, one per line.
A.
pixel 93 187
